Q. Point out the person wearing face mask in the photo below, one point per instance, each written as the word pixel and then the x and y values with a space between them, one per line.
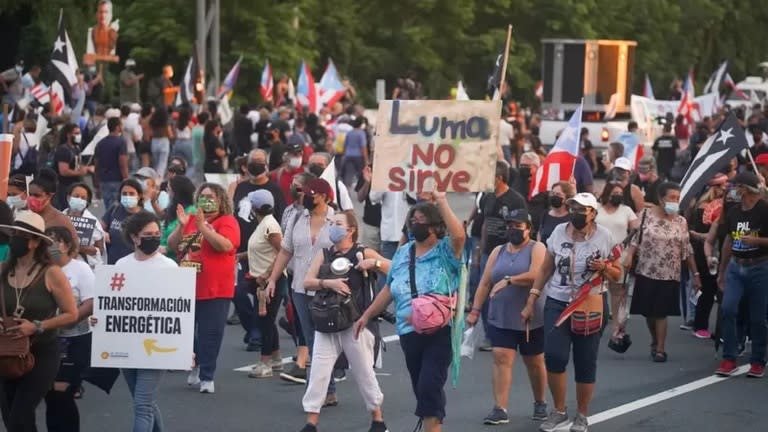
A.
pixel 648 179
pixel 42 189
pixel 66 163
pixel 79 197
pixel 182 193
pixel 207 241
pixel 558 214
pixel 511 270
pixel 291 164
pixel 37 298
pixel 111 162
pixel 575 251
pixel 435 255
pixel 318 162
pixel 633 195
pixel 142 232
pixel 17 192
pixel 359 350
pixel 155 200
pixel 660 256
pixel 302 239
pixel 131 202
pixel 619 220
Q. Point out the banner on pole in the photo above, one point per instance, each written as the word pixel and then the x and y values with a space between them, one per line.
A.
pixel 146 319
pixel 425 145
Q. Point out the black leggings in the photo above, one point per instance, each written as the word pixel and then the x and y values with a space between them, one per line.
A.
pixel 706 300
pixel 61 413
pixel 19 398
pixel 270 340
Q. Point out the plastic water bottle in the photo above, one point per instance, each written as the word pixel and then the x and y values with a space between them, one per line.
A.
pixel 713 263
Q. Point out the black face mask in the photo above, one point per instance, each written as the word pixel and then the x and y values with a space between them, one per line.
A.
pixel 256 169
pixel 516 236
pixel 316 169
pixel 149 245
pixel 525 174
pixel 616 200
pixel 555 201
pixel 19 246
pixel 579 220
pixel 295 193
pixel 309 202
pixel 420 231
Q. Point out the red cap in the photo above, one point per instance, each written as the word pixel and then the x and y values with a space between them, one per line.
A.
pixel 762 159
pixel 319 186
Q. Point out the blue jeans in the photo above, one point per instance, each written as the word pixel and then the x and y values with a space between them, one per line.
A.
pixel 301 304
pixel 161 149
pixel 144 385
pixel 388 249
pixel 110 193
pixel 752 282
pixel 687 308
pixel 210 319
pixel 182 148
pixel 246 308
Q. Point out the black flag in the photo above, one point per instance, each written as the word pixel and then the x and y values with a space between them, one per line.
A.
pixel 716 152
pixel 63 61
pixel 494 79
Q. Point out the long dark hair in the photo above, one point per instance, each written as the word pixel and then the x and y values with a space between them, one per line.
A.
pixel 183 193
pixel 185 115
pixel 605 196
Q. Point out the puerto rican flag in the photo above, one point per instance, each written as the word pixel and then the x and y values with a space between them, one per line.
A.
pixel 330 86
pixel 267 83
pixel 41 92
pixel 686 106
pixel 647 88
pixel 728 80
pixel 57 98
pixel 306 91
pixel 558 165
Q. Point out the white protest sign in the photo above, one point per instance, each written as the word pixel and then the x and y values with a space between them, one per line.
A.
pixel 146 319
pixel 446 145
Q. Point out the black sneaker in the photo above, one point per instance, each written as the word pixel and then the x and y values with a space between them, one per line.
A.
pixel 378 426
pixel 497 416
pixel 295 375
pixel 339 375
pixel 286 326
pixel 234 319
pixel 309 428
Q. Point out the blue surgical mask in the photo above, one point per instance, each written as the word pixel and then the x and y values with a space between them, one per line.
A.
pixel 337 233
pixel 671 208
pixel 129 202
pixel 16 202
pixel 163 200
pixel 77 204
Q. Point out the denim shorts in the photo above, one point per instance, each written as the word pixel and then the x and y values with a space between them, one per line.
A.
pixel 557 346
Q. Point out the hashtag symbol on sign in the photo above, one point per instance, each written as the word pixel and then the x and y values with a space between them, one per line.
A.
pixel 118 281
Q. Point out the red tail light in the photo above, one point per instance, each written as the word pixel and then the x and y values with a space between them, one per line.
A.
pixel 604 135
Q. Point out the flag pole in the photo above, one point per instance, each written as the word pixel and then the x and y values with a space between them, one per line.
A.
pixel 573 168
pixel 502 78
pixel 752 161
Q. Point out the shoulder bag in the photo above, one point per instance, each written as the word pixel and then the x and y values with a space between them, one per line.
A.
pixel 15 358
pixel 587 319
pixel 332 312
pixel 429 312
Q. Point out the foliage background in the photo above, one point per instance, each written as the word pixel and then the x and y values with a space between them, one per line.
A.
pixel 441 41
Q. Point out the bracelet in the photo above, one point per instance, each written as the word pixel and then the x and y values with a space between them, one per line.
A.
pixel 697 274
pixel 477 310
pixel 535 292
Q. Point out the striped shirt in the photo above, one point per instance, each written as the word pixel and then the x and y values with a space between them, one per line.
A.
pixel 298 242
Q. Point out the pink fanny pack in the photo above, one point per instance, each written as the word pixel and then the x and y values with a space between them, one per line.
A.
pixel 429 312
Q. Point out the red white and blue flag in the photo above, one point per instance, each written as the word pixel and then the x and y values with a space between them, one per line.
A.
pixel 559 163
pixel 267 83
pixel 228 85
pixel 331 88
pixel 728 80
pixel 648 89
pixel 306 91
pixel 41 92
pixel 686 106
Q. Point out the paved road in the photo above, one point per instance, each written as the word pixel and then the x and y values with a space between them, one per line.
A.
pixel 247 405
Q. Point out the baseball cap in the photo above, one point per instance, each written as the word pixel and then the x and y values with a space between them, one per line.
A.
pixel 130 62
pixel 318 186
pixel 761 159
pixel 260 198
pixel 294 147
pixel 586 199
pixel 516 215
pixel 747 178
pixel 646 165
pixel 623 163
pixel 146 172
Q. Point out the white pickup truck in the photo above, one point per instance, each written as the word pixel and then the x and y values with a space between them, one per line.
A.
pixel 752 90
pixel 600 133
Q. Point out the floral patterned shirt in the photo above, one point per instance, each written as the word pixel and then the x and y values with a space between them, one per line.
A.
pixel 665 245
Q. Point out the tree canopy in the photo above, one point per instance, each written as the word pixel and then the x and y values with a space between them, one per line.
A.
pixel 440 41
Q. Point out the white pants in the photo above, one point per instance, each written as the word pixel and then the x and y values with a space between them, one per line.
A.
pixel 327 348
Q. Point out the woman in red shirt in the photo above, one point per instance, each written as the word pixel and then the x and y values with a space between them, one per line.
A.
pixel 207 241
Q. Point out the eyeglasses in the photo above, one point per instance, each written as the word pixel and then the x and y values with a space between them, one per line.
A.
pixel 577 210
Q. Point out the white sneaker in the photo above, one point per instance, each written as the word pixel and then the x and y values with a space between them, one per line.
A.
pixel 261 370
pixel 194 376
pixel 206 387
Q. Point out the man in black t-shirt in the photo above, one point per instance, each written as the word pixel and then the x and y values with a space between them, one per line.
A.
pixel 648 179
pixel 65 163
pixel 665 149
pixel 744 273
pixel 371 235
pixel 587 150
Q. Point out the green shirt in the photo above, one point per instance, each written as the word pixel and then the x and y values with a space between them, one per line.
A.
pixel 168 230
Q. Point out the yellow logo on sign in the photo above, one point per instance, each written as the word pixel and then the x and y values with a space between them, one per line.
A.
pixel 150 346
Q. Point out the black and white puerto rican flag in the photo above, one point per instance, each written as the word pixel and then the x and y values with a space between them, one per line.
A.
pixel 716 152
pixel 63 61
pixel 187 88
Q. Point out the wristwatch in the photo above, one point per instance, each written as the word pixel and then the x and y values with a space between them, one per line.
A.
pixel 378 264
pixel 508 279
pixel 39 326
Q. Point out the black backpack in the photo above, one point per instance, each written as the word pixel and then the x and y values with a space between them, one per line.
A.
pixel 28 160
pixel 333 312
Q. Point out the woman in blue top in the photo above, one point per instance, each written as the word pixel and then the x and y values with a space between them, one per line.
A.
pixel 508 276
pixel 439 243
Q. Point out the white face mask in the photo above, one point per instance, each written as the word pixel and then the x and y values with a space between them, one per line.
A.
pixel 78 139
pixel 294 162
pixel 16 202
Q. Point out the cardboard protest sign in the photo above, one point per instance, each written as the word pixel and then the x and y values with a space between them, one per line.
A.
pixel 84 228
pixel 146 319
pixel 446 145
